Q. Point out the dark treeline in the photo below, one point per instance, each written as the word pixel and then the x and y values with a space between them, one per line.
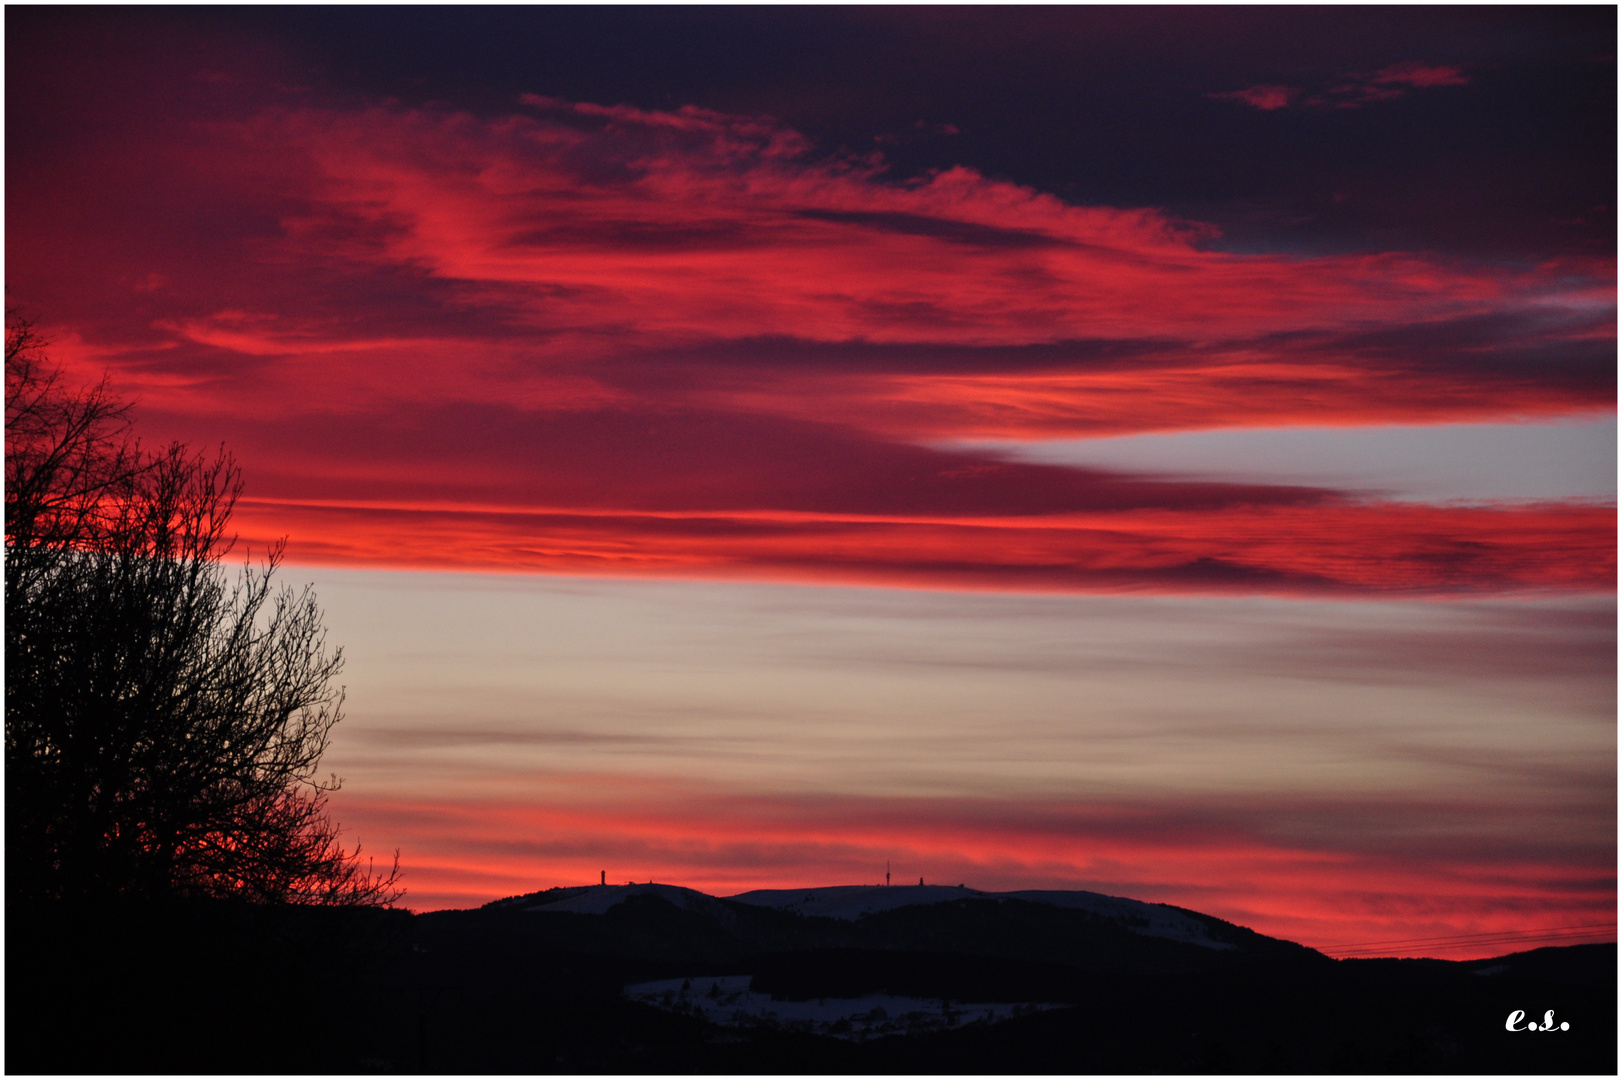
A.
pixel 164 721
pixel 177 896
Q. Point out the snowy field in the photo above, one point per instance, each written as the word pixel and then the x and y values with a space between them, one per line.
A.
pixel 727 999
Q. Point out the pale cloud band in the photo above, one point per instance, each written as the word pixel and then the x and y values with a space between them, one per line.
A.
pixel 735 736
pixel 1478 463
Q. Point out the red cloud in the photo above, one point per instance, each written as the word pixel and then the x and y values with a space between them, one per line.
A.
pixel 1384 85
pixel 566 243
pixel 1263 96
pixel 676 227
pixel 1375 549
pixel 598 338
pixel 1420 75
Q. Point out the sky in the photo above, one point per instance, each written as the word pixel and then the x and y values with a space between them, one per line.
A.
pixel 1170 452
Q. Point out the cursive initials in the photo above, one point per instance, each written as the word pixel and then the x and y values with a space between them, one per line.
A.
pixel 1548 1022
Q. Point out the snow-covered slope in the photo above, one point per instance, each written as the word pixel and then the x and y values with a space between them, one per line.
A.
pixel 854 901
pixel 597 899
pixel 1163 921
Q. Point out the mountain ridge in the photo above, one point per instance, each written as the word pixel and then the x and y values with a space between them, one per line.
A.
pixel 852 903
pixel 875 979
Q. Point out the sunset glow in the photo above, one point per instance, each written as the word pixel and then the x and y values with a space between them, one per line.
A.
pixel 702 495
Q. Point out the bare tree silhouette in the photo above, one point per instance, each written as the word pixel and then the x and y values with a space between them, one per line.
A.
pixel 164 723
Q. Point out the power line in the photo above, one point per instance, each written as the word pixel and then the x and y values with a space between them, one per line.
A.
pixel 1478 934
pixel 1585 937
pixel 1528 937
pixel 1527 940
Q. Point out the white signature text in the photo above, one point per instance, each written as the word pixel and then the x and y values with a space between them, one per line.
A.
pixel 1548 1022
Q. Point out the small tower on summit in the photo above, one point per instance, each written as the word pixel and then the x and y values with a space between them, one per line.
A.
pixel 886 873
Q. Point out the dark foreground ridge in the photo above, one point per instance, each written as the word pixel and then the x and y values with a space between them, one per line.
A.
pixel 657 978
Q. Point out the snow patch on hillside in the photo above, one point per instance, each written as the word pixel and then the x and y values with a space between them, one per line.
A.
pixel 852 902
pixel 597 899
pixel 1159 920
pixel 727 999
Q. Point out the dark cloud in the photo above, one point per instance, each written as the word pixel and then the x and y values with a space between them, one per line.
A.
pixel 968 233
pixel 660 459
pixel 1097 105
pixel 1387 84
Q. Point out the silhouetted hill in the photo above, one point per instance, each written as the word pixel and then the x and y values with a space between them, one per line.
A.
pixel 539 984
pixel 1085 931
pixel 651 927
pixel 1565 964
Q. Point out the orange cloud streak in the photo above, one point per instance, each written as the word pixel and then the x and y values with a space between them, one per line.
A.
pixel 1389 547
pixel 1239 390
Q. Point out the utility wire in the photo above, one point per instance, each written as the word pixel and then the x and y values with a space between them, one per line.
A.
pixel 1479 934
pixel 1593 935
pixel 1524 937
